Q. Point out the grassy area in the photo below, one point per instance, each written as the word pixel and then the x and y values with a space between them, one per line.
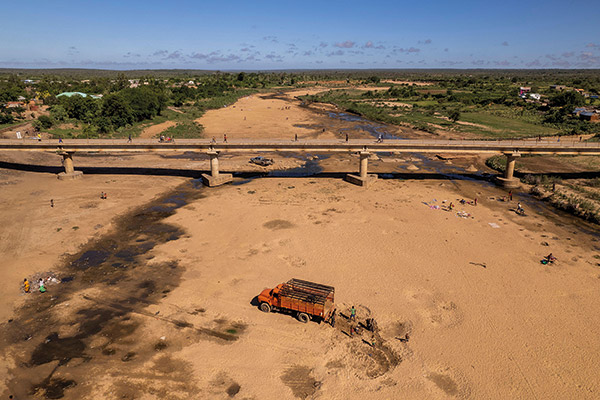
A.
pixel 185 130
pixel 503 127
pixel 222 101
pixel 15 123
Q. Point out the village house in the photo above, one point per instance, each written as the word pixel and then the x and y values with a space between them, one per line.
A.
pixel 558 87
pixel 15 104
pixel 590 116
pixel 587 114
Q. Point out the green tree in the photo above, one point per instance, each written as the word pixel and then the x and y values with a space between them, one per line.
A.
pixel 45 121
pixel 104 124
pixel 116 110
pixel 81 108
pixel 6 118
pixel 454 115
pixel 143 102
pixel 567 99
pixel 58 113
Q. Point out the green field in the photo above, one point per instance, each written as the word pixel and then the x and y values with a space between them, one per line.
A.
pixel 503 127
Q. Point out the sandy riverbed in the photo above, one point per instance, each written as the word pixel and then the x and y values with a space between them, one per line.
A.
pixel 173 317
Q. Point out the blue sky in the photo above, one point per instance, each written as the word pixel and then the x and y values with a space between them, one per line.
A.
pixel 250 35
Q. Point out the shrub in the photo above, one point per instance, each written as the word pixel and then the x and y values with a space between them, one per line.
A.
pixel 45 121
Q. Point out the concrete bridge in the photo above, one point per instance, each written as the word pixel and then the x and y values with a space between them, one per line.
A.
pixel 512 149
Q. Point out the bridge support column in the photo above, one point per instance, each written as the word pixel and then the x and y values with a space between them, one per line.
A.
pixel 363 179
pixel 70 172
pixel 509 181
pixel 215 178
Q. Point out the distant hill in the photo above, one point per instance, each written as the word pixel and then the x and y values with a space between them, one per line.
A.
pixel 82 73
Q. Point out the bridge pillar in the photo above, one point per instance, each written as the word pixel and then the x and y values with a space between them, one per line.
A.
pixel 363 179
pixel 215 178
pixel 509 181
pixel 70 172
pixel 214 164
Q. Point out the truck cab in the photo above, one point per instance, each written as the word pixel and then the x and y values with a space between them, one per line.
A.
pixel 270 297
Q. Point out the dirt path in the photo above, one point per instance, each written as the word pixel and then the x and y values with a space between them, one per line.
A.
pixel 155 130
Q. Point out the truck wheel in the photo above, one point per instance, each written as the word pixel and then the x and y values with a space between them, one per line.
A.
pixel 265 307
pixel 302 317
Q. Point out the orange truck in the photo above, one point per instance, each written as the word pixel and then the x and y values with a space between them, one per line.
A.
pixel 307 300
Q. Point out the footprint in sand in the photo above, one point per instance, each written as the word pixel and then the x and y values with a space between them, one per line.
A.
pixel 434 310
pixel 295 262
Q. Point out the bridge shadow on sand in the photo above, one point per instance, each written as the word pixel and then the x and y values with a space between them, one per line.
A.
pixel 421 175
pixel 104 170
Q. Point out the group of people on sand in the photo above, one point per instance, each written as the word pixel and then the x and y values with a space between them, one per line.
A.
pixel 27 286
pixel 164 139
pixel 471 202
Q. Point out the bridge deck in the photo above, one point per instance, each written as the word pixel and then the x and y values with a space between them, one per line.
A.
pixel 317 146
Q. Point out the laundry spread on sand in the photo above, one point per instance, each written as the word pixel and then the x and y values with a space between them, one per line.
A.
pixel 463 214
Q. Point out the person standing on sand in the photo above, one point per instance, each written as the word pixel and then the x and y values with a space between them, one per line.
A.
pixel 26 285
pixel 296 137
pixel 510 195
pixel 353 313
pixel 51 202
pixel 42 287
pixel 475 201
pixel 225 138
pixel 346 137
pixel 129 138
